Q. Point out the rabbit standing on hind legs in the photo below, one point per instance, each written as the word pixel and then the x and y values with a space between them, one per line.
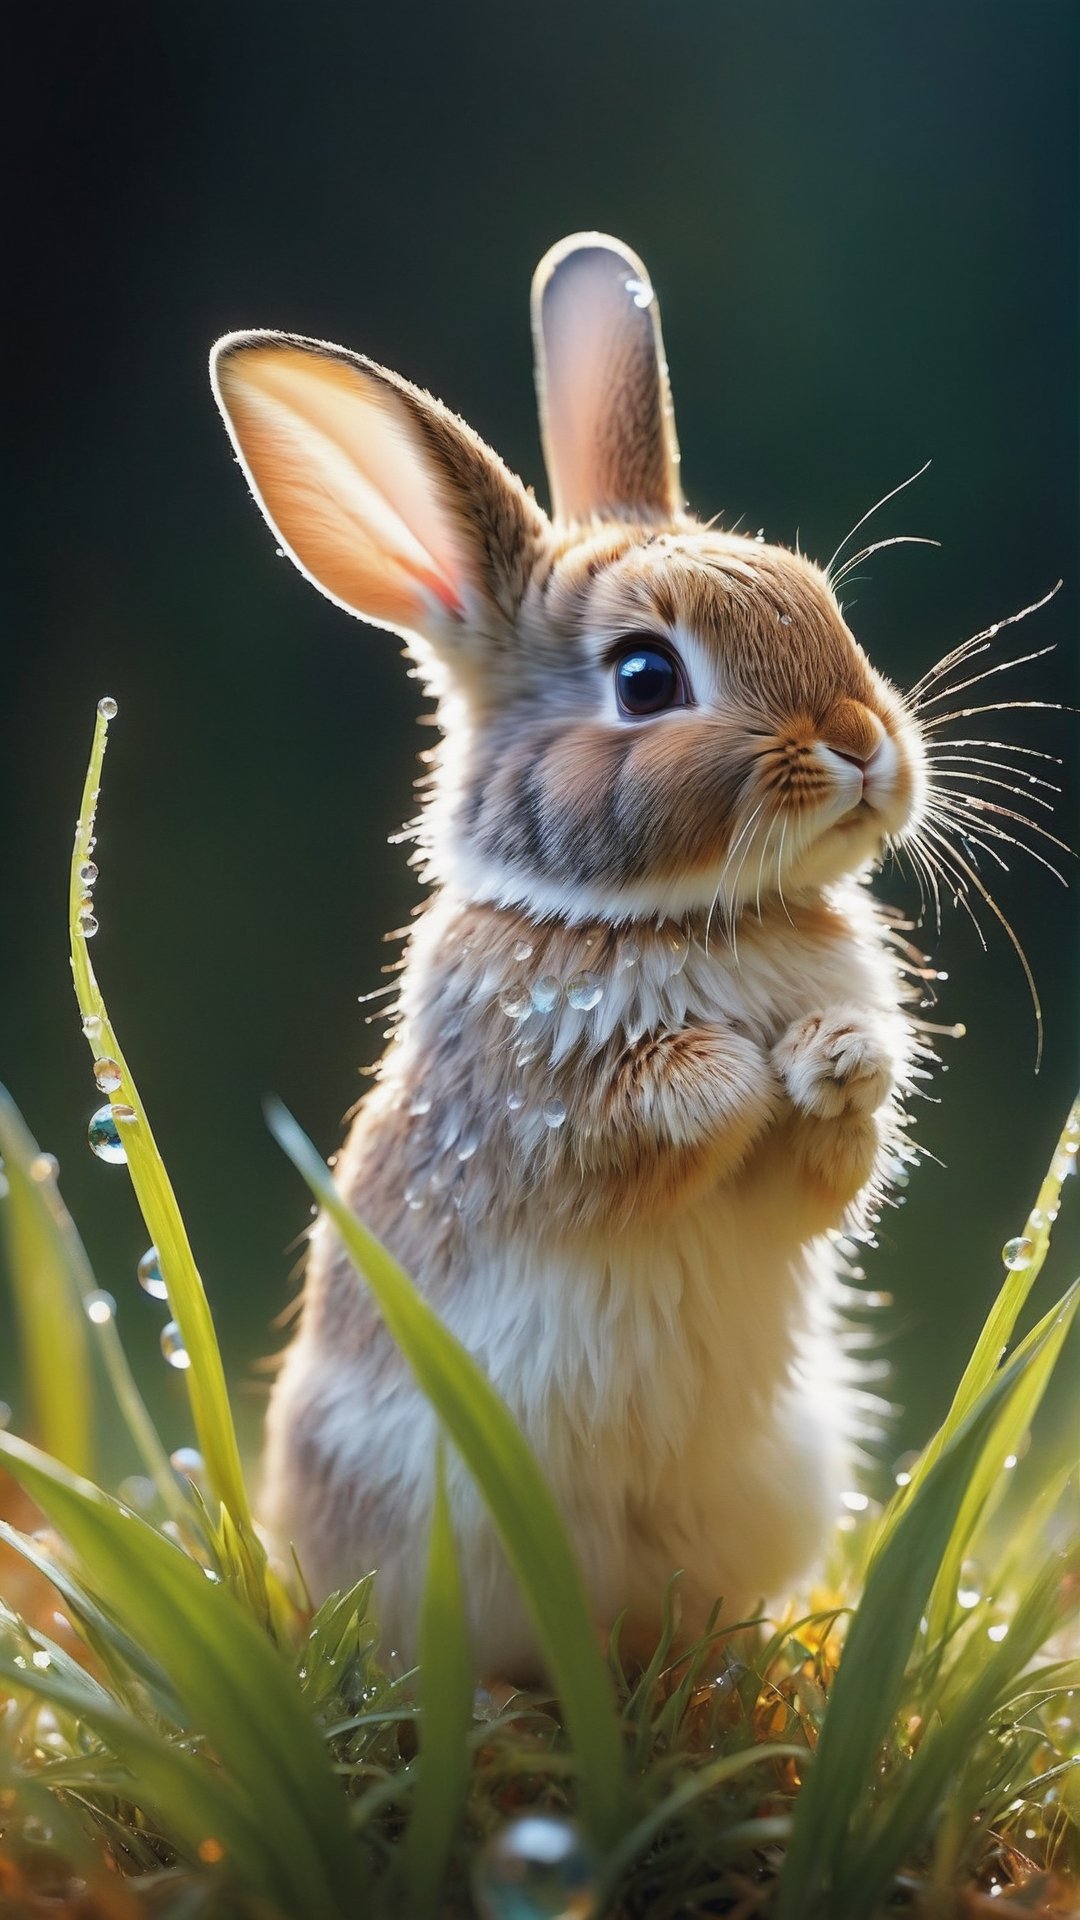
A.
pixel 652 1038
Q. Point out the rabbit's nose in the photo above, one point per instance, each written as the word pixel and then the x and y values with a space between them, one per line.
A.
pixel 851 731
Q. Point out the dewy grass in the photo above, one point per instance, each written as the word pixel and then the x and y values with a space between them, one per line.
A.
pixel 182 1736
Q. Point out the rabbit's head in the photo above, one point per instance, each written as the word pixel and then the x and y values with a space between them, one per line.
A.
pixel 642 715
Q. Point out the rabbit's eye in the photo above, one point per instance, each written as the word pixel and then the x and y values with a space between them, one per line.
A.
pixel 648 679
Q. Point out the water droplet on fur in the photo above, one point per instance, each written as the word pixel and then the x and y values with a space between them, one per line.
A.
pixel 88 924
pixel 1018 1253
pixel 421 1104
pixel 468 1143
pixel 546 993
pixel 554 1112
pixel 44 1168
pixel 173 1348
pixel 150 1277
pixel 100 1307
pixel 88 873
pixel 107 1074
pixel 107 707
pixel 187 1462
pixel 526 1054
pixel 536 1867
pixel 677 942
pixel 515 1001
pixel 585 991
pixel 104 1137
pixel 515 1100
pixel 760 535
pixel 640 292
pixel 414 1197
pixel 784 619
pixel 629 954
pixel 523 950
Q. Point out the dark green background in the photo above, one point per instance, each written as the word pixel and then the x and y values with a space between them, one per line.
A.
pixel 861 221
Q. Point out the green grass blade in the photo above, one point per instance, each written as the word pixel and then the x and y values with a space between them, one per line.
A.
pixel 446 1694
pixel 868 1686
pixel 205 1377
pixel 226 1673
pixel 50 1275
pixel 517 1494
pixel 1000 1322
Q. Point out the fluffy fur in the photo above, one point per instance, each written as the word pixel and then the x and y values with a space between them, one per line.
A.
pixel 652 1042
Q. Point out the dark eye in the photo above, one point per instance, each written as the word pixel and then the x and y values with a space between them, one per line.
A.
pixel 647 680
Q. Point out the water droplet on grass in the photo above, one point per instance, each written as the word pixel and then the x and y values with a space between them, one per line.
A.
pixel 536 1867
pixel 107 707
pixel 107 1074
pixel 855 1502
pixel 88 924
pixel 187 1462
pixel 138 1491
pixel 585 991
pixel 44 1167
pixel 91 1025
pixel 88 873
pixel 100 1307
pixel 1018 1253
pixel 173 1348
pixel 104 1137
pixel 151 1279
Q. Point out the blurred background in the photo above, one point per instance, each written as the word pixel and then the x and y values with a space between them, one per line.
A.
pixel 861 223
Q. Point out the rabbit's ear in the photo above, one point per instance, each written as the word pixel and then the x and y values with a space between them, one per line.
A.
pixel 602 382
pixel 385 500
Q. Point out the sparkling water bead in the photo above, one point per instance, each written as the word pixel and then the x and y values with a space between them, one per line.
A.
pixel 88 873
pixel 104 1137
pixel 91 1025
pixel 173 1348
pixel 44 1168
pixel 1018 1253
pixel 547 992
pixel 187 1462
pixel 107 708
pixel 107 1074
pixel 100 1307
pixel 585 991
pixel 554 1112
pixel 536 1868
pixel 151 1278
pixel 515 1001
pixel 523 951
pixel 88 924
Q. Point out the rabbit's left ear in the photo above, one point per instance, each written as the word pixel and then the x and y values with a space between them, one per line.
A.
pixel 388 502
pixel 606 416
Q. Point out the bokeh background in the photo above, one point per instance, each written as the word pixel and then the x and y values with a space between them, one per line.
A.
pixel 861 222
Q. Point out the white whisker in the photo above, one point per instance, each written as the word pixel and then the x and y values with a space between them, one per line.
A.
pixel 883 502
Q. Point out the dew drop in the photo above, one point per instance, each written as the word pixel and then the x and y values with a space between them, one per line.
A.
pixel 855 1502
pixel 42 1659
pixel 585 991
pixel 1037 1219
pixel 187 1462
pixel 1018 1253
pixel 515 1001
pixel 100 1307
pixel 44 1168
pixel 677 942
pixel 138 1491
pixel 88 873
pixel 784 619
pixel 421 1104
pixel 107 1074
pixel 968 1597
pixel 515 1100
pixel 173 1348
pixel 629 954
pixel 88 924
pixel 546 993
pixel 554 1112
pixel 91 1025
pixel 999 1632
pixel 104 1137
pixel 760 536
pixel 107 707
pixel 414 1197
pixel 151 1279
pixel 523 950
pixel 468 1143
pixel 535 1866
pixel 528 1053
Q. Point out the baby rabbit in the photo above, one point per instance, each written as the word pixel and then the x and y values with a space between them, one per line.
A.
pixel 652 1038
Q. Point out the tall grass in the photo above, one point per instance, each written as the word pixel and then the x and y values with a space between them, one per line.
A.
pixel 182 1733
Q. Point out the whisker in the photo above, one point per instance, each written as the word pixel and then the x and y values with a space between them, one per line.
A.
pixel 974 803
pixel 883 502
pixel 897 540
pixel 960 760
pixel 987 634
pixel 1005 746
pixel 1000 666
pixel 958 860
pixel 957 888
pixel 994 706
pixel 988 780
pixel 968 822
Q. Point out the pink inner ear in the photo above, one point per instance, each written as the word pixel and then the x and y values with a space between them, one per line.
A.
pixel 336 467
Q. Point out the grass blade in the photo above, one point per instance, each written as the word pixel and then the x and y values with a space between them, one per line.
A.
pixel 205 1377
pixel 446 1712
pixel 50 1275
pixel 226 1673
pixel 517 1494
pixel 867 1688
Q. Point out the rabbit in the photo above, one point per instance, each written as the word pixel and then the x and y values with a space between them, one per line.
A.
pixel 653 1034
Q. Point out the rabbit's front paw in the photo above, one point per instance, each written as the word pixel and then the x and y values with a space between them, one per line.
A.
pixel 834 1064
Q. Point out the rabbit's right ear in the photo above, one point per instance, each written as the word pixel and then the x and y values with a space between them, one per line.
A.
pixel 606 416
pixel 388 502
